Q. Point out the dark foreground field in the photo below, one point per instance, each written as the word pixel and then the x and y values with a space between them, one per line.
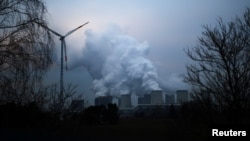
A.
pixel 126 130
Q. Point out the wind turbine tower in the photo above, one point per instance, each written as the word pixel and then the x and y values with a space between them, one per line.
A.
pixel 63 46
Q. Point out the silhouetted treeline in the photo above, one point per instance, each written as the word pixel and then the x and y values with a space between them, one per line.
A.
pixel 100 115
pixel 196 111
pixel 17 115
pixel 31 115
pixel 220 73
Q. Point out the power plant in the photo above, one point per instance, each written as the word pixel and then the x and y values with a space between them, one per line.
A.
pixel 125 100
pixel 103 100
pixel 155 97
pixel 154 103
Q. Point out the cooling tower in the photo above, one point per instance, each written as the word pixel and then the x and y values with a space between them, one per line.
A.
pixel 103 100
pixel 156 97
pixel 125 100
pixel 181 96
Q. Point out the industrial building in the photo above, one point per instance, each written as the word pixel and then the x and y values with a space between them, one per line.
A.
pixel 125 100
pixel 103 100
pixel 156 97
pixel 152 104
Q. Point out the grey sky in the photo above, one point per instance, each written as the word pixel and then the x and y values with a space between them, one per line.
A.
pixel 168 26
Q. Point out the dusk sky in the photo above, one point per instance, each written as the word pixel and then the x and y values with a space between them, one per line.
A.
pixel 167 27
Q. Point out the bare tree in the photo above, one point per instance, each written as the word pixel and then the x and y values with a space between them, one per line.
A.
pixel 25 47
pixel 61 105
pixel 220 74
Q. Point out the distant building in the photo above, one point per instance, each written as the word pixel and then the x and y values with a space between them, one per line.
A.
pixel 169 99
pixel 125 100
pixel 77 105
pixel 156 97
pixel 103 100
pixel 182 96
pixel 146 99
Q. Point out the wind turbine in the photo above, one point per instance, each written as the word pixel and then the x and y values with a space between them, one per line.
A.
pixel 63 46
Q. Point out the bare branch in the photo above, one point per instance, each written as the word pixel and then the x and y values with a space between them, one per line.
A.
pixel 222 65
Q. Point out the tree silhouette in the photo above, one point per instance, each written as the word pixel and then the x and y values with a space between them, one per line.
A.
pixel 111 115
pixel 220 73
pixel 25 49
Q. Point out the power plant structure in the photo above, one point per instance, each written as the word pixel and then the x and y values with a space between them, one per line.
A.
pixel 125 100
pixel 146 104
pixel 154 103
pixel 156 97
pixel 103 100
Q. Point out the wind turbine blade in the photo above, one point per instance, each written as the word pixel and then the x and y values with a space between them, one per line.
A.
pixel 54 32
pixel 70 32
pixel 65 53
pixel 57 34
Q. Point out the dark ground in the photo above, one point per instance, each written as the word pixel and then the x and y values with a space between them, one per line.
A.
pixel 127 129
pixel 28 123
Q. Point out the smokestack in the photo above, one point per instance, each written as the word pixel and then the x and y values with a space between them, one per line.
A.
pixel 126 100
pixel 156 97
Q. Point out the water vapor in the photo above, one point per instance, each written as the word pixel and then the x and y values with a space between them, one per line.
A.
pixel 118 63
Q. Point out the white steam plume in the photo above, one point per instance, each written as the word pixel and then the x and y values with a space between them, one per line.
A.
pixel 118 64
